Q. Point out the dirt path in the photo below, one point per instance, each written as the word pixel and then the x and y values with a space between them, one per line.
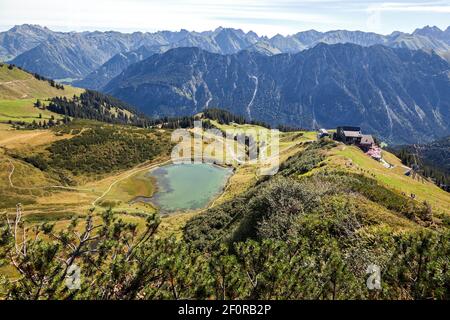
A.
pixel 129 175
pixel 112 184
pixel 13 168
pixel 18 138
pixel 12 81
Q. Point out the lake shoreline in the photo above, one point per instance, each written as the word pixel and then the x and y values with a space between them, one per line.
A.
pixel 196 204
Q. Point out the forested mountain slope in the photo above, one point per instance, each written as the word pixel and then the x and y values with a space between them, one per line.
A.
pixel 397 94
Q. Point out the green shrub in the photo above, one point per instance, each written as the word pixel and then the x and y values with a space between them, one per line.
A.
pixel 102 150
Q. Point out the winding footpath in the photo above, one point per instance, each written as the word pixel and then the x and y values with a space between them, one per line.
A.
pixel 82 189
pixel 13 167
pixel 129 175
pixel 126 176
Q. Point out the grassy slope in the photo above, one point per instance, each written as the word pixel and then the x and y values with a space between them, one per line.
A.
pixel 380 211
pixel 57 203
pixel 54 201
pixel 352 159
pixel 23 110
pixel 19 91
pixel 19 84
pixel 393 178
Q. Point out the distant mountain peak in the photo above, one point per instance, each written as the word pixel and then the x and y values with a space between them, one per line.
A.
pixel 310 31
pixel 93 49
pixel 229 30
pixel 428 30
pixel 26 26
pixel 434 28
pixel 278 35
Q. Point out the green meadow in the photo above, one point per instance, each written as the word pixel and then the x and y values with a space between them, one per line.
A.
pixel 24 110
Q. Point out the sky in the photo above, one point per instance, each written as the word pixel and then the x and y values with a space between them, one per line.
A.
pixel 261 16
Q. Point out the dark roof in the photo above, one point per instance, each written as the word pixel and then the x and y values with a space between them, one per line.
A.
pixel 349 128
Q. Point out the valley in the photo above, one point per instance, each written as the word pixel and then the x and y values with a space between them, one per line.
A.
pixel 42 192
pixel 171 181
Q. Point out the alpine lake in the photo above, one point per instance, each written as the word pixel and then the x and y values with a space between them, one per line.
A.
pixel 184 187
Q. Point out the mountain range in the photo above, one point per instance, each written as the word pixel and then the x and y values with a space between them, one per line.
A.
pixel 395 86
pixel 398 94
pixel 113 67
pixel 85 55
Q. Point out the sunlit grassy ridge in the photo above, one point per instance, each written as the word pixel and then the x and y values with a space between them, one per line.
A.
pixel 319 185
pixel 393 178
pixel 19 84
pixel 19 90
pixel 23 110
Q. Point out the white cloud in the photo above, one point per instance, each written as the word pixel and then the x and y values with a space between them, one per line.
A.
pixel 266 17
pixel 411 7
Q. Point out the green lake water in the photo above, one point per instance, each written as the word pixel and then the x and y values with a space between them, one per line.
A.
pixel 188 186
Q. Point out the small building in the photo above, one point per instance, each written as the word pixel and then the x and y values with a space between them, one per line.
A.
pixel 366 142
pixel 348 135
pixel 321 133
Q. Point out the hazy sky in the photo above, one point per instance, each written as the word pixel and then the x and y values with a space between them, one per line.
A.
pixel 262 16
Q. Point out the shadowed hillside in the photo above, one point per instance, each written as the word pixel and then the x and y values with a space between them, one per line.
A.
pixel 397 94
